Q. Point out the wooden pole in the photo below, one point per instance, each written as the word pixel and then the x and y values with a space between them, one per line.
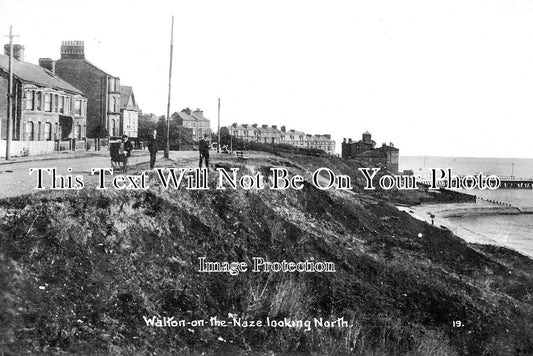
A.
pixel 218 146
pixel 10 97
pixel 167 147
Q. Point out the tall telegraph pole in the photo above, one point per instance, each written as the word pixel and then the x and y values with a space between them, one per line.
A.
pixel 10 96
pixel 218 146
pixel 167 147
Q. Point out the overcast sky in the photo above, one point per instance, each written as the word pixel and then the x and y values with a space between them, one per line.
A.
pixel 450 78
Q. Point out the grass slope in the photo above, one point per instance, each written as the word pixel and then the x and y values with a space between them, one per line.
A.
pixel 81 269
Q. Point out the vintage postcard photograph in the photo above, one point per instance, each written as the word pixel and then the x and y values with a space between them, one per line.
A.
pixel 270 178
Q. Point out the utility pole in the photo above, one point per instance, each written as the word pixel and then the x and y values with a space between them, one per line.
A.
pixel 218 146
pixel 167 147
pixel 10 96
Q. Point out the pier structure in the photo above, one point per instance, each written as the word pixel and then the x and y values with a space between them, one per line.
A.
pixel 515 183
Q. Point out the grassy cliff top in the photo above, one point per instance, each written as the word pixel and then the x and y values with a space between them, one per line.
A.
pixel 81 269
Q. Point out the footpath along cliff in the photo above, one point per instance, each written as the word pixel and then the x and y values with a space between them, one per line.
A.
pixel 80 272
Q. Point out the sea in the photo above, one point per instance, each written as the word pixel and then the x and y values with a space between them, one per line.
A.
pixel 513 231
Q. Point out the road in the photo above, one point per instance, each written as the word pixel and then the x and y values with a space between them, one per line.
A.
pixel 16 180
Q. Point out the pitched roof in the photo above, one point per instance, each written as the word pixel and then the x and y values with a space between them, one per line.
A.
pixel 35 74
pixel 193 116
pixel 125 93
pixel 199 117
pixel 78 62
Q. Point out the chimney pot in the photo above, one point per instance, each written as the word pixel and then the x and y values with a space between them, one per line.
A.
pixel 72 50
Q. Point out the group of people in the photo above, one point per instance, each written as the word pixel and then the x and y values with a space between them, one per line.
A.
pixel 127 147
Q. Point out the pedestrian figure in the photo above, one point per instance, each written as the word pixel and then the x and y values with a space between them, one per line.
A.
pixel 128 147
pixel 203 147
pixel 152 148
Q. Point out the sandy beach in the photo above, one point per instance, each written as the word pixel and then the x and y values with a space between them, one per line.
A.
pixel 441 215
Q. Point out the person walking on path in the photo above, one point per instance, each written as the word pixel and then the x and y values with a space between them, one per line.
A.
pixel 203 147
pixel 128 146
pixel 152 148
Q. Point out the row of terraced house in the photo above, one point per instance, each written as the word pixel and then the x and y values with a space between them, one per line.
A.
pixel 273 135
pixel 62 104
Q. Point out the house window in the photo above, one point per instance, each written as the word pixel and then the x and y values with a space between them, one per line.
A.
pixel 38 100
pixel 77 107
pixel 61 104
pixel 111 84
pixel 29 131
pixel 47 102
pixel 56 102
pixel 76 131
pixel 48 131
pixel 29 99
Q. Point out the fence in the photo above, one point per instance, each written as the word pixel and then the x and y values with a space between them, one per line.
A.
pixel 27 148
pixel 36 148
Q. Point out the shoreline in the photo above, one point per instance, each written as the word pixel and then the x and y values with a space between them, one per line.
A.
pixel 440 214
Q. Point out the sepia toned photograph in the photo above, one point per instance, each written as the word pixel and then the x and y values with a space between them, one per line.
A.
pixel 291 178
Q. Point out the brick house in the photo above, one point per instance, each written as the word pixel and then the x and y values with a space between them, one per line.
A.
pixel 102 89
pixel 129 112
pixel 46 109
pixel 386 155
pixel 273 135
pixel 196 121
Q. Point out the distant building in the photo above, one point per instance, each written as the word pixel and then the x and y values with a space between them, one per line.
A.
pixel 196 121
pixel 273 135
pixel 102 89
pixel 386 155
pixel 296 138
pixel 46 109
pixel 129 112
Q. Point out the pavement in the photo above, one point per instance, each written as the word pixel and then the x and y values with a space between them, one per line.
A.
pixel 53 156
pixel 16 179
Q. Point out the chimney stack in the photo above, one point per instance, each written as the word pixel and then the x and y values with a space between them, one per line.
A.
pixel 254 125
pixel 72 50
pixel 199 112
pixel 283 129
pixel 275 127
pixel 264 126
pixel 18 51
pixel 48 63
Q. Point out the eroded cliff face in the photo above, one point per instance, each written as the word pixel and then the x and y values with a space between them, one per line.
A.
pixel 83 269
